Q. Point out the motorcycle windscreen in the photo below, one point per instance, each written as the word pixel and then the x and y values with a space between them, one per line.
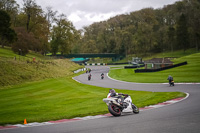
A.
pixel 107 100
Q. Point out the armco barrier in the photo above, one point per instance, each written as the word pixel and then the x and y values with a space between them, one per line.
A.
pixel 118 63
pixel 100 64
pixel 96 64
pixel 79 70
pixel 125 67
pixel 160 69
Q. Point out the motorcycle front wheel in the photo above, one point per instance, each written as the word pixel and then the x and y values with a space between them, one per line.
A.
pixel 135 109
pixel 114 109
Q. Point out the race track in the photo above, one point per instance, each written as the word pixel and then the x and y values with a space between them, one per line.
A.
pixel 181 117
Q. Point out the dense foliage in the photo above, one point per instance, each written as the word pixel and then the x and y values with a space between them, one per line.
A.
pixel 34 28
pixel 149 30
pixel 7 35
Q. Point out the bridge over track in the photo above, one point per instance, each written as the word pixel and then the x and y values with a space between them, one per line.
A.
pixel 114 56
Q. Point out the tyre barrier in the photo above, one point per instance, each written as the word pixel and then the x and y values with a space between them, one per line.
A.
pixel 125 67
pixel 160 69
pixel 123 63
pixel 102 64
pixel 96 64
pixel 79 70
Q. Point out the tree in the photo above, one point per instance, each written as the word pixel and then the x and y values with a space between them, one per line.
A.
pixel 63 35
pixel 89 47
pixel 50 16
pixel 32 11
pixel 148 30
pixel 171 37
pixel 54 45
pixel 194 22
pixel 12 8
pixel 76 47
pixel 37 22
pixel 25 40
pixel 7 35
pixel 182 33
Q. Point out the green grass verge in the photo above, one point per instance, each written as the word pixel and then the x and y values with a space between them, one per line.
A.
pixel 186 73
pixel 63 98
pixel 6 52
pixel 24 69
pixel 14 72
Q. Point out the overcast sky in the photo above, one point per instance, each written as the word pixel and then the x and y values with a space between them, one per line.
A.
pixel 85 12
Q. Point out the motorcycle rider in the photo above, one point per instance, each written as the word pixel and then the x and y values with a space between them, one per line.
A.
pixel 102 75
pixel 170 78
pixel 89 76
pixel 112 93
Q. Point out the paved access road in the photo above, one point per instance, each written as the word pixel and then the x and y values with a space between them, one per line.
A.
pixel 181 117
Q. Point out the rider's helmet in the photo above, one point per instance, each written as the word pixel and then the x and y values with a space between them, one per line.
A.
pixel 112 91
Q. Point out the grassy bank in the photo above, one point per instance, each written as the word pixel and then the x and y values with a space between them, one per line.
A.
pixel 24 69
pixel 63 98
pixel 16 72
pixel 186 73
pixel 6 52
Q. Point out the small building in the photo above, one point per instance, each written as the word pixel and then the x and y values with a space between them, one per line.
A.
pixel 157 63
pixel 136 61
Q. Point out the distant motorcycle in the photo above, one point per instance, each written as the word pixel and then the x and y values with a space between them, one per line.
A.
pixel 89 77
pixel 102 76
pixel 116 106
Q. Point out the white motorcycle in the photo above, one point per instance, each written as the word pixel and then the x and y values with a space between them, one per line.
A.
pixel 117 105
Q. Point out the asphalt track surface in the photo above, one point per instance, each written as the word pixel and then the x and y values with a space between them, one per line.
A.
pixel 181 117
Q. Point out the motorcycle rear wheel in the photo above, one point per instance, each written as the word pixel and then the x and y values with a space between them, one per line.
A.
pixel 114 110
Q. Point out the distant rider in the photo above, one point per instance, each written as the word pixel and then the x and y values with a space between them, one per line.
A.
pixel 89 76
pixel 170 78
pixel 102 74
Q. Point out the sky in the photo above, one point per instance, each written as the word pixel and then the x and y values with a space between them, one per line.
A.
pixel 85 12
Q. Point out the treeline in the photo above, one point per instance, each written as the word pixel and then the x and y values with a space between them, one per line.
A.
pixel 32 28
pixel 149 30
